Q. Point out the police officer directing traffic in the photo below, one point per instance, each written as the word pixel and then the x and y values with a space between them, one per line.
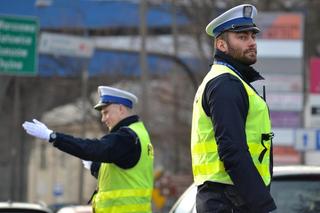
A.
pixel 122 159
pixel 231 130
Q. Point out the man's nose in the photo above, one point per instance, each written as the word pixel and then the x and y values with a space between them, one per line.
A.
pixel 102 119
pixel 252 41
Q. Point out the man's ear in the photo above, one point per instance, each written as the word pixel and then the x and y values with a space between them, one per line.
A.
pixel 221 45
pixel 123 109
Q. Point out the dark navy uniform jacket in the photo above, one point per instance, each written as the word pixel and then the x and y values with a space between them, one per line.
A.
pixel 121 146
pixel 234 151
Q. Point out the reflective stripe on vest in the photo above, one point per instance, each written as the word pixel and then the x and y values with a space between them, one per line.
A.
pixel 127 190
pixel 206 164
pixel 107 201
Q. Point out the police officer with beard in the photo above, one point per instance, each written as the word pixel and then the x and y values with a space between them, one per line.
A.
pixel 231 136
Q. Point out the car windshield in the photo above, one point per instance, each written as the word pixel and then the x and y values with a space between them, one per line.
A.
pixel 296 196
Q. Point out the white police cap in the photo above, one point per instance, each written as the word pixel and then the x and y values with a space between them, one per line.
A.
pixel 110 95
pixel 237 19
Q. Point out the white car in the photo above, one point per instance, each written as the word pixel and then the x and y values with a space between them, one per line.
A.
pixel 20 207
pixel 76 209
pixel 295 189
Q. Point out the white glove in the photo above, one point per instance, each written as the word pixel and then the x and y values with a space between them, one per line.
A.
pixel 37 129
pixel 87 164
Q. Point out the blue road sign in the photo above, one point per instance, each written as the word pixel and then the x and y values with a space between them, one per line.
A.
pixel 318 140
pixel 307 139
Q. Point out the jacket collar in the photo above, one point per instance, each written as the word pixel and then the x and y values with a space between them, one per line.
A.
pixel 125 122
pixel 248 73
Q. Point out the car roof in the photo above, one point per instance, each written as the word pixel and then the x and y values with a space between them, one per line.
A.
pixel 296 170
pixel 76 209
pixel 287 170
pixel 23 205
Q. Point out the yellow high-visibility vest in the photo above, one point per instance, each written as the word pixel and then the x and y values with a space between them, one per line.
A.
pixel 206 164
pixel 127 190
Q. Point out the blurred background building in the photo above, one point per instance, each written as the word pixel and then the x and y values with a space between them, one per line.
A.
pixel 54 54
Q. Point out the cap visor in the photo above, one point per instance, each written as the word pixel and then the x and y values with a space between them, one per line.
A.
pixel 100 105
pixel 243 29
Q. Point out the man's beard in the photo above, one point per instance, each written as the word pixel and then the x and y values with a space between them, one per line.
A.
pixel 241 56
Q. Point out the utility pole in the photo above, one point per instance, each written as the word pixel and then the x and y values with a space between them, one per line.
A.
pixel 17 190
pixel 175 77
pixel 84 94
pixel 143 61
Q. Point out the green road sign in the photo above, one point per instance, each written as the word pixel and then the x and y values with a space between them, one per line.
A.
pixel 18 45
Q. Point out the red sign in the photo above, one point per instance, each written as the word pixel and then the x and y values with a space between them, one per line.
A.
pixel 285 155
pixel 314 75
pixel 280 25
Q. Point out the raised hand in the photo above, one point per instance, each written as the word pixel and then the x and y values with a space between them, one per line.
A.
pixel 37 129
